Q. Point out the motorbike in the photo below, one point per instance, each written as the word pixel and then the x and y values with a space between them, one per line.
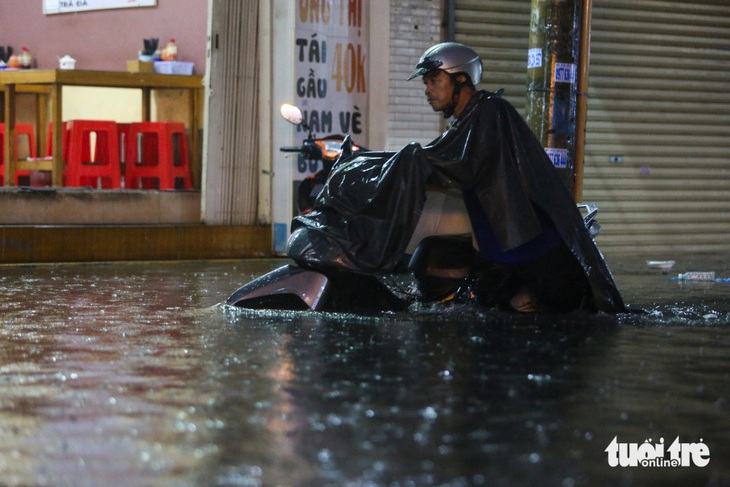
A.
pixel 435 266
pixel 312 151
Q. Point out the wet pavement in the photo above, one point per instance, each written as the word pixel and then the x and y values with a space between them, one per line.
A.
pixel 134 374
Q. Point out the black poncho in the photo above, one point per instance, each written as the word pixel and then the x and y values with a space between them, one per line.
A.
pixel 364 218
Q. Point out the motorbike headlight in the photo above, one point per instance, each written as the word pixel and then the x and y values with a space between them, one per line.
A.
pixel 330 148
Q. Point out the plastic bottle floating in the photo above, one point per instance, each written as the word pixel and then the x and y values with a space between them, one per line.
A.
pixel 700 276
pixel 697 276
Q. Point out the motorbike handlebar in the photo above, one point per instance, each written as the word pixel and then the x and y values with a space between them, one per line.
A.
pixel 308 150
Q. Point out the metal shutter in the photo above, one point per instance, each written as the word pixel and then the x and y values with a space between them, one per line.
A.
pixel 659 100
pixel 498 32
pixel 657 142
pixel 415 26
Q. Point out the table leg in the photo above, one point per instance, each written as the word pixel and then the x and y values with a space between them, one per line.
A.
pixel 9 153
pixel 41 122
pixel 57 135
pixel 195 111
pixel 146 104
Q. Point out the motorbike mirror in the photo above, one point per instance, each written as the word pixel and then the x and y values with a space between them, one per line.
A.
pixel 291 114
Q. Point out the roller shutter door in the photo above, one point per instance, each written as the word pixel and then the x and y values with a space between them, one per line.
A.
pixel 415 26
pixel 659 102
pixel 658 130
pixel 497 31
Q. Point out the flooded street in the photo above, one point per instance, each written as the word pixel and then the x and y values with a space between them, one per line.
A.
pixel 134 374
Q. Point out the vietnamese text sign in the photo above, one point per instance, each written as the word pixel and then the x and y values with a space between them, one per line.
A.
pixel 331 69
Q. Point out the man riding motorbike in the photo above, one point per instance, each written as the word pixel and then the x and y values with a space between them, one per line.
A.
pixel 533 252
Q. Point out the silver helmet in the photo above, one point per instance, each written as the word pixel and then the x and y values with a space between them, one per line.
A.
pixel 451 57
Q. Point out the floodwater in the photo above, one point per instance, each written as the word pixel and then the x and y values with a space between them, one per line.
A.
pixel 134 374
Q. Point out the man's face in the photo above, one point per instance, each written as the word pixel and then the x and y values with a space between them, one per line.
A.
pixel 439 90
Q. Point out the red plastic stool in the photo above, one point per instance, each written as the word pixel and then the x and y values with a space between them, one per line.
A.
pixel 88 163
pixel 21 129
pixel 157 155
pixel 123 132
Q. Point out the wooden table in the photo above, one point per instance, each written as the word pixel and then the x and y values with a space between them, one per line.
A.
pixel 49 84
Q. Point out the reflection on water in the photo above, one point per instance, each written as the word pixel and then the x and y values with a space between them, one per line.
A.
pixel 134 374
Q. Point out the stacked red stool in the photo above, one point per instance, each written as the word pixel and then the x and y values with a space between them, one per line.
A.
pixel 157 156
pixel 21 129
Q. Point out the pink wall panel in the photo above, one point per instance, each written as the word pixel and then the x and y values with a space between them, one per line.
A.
pixel 104 39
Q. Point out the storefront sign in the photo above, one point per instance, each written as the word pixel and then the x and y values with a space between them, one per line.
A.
pixel 331 56
pixel 67 6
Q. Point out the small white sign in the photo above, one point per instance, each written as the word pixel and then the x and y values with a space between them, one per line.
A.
pixel 564 73
pixel 558 156
pixel 534 58
pixel 67 6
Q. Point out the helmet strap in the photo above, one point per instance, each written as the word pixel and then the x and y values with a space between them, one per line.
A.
pixel 458 85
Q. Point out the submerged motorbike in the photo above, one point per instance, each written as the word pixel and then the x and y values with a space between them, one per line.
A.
pixel 434 267
pixel 441 260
